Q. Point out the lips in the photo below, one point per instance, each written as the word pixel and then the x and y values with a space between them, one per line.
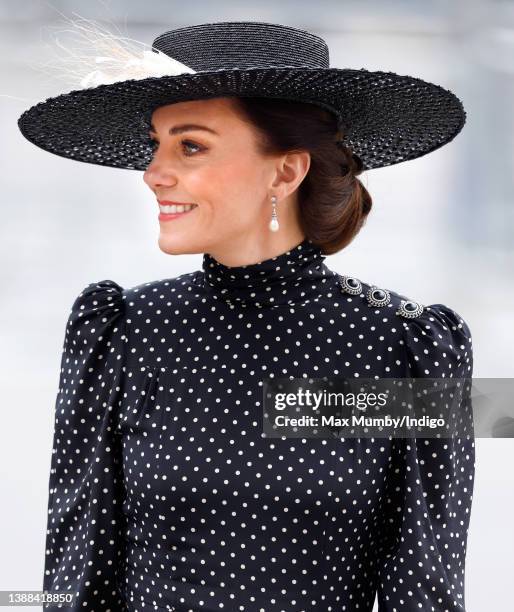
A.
pixel 169 203
pixel 167 213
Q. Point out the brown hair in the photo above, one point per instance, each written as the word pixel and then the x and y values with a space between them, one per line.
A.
pixel 333 203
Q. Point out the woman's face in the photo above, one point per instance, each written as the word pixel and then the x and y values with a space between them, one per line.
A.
pixel 219 169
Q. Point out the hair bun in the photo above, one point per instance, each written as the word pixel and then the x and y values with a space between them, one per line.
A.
pixel 358 163
pixel 344 169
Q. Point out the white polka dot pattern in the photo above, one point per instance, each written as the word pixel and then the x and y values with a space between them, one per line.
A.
pixel 165 494
pixel 85 488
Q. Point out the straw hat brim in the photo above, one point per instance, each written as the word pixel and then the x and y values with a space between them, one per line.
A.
pixel 386 118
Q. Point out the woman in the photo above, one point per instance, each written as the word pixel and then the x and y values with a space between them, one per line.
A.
pixel 165 493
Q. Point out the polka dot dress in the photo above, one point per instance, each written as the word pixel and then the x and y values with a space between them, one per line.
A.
pixel 165 494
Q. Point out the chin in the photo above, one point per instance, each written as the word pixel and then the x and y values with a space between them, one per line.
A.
pixel 176 245
pixel 170 245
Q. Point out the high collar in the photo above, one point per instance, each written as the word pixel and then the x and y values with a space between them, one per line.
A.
pixel 288 278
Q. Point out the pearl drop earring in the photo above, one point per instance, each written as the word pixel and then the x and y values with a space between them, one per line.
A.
pixel 273 224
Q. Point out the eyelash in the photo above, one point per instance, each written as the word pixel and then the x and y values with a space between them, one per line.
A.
pixel 154 144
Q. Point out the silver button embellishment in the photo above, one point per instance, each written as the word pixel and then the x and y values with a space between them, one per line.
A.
pixel 409 309
pixel 378 297
pixel 350 285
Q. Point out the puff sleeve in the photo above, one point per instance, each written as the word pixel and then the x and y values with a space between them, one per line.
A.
pixel 430 496
pixel 84 523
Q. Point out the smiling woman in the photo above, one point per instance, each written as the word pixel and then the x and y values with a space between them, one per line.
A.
pixel 237 152
pixel 166 492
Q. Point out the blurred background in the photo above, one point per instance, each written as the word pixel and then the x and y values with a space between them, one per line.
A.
pixel 441 229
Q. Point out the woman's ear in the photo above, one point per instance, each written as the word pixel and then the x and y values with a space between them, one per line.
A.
pixel 292 168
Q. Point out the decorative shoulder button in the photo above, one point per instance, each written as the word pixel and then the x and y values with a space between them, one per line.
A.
pixel 410 309
pixel 378 297
pixel 351 285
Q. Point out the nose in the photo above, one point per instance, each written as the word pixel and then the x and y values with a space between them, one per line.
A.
pixel 158 174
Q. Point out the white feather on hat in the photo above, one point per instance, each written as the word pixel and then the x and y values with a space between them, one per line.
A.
pixel 121 58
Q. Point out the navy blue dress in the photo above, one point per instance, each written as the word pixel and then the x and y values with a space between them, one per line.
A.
pixel 166 494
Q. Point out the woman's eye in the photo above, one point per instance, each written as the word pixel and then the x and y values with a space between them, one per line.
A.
pixel 187 144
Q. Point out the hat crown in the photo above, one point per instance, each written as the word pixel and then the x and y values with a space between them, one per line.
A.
pixel 243 44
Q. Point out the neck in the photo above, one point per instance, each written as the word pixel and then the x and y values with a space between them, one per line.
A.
pixel 248 251
pixel 288 277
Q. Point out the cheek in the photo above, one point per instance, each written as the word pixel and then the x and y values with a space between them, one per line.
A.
pixel 214 182
pixel 239 179
pixel 231 191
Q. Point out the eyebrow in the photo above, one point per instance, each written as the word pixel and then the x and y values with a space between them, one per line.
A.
pixel 186 127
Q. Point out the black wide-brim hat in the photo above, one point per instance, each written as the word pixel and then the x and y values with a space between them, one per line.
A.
pixel 385 118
